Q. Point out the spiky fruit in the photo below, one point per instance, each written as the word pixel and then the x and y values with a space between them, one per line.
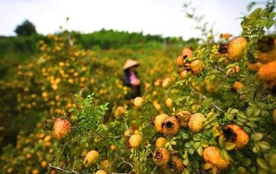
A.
pixel 211 155
pixel 179 60
pixel 183 74
pixel 196 122
pixel 138 101
pixel 159 120
pixel 170 126
pixel 169 102
pixel 254 66
pixel 183 118
pixel 166 83
pixel 91 157
pixel 106 166
pixel 197 67
pixel 160 142
pixel 135 140
pixel 61 128
pixel 101 172
pixel 119 112
pixel 267 73
pixel 174 166
pixel 274 115
pixel 235 48
pixel 161 156
pixel 238 85
pixel 237 135
pixel 187 52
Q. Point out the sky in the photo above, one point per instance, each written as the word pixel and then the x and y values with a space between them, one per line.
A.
pixel 163 17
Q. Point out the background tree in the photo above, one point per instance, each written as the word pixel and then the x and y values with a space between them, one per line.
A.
pixel 25 29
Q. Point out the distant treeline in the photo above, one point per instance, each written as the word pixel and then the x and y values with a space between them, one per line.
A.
pixel 103 39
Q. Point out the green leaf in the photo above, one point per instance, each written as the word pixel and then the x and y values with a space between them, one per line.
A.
pixel 269 24
pixel 230 146
pixel 257 136
pixel 262 163
pixel 264 145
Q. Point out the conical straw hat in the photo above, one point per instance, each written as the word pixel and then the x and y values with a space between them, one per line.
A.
pixel 130 63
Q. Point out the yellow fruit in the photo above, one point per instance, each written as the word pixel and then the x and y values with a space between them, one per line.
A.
pixel 44 164
pixel 183 74
pixel 174 166
pixel 236 135
pixel 106 166
pixel 160 142
pixel 267 73
pixel 238 85
pixel 211 155
pixel 235 48
pixel 91 157
pixel 135 140
pixel 187 52
pixel 61 128
pixel 197 67
pixel 112 147
pixel 119 112
pixel 127 133
pixel 170 126
pixel 35 171
pixel 196 122
pixel 138 101
pixel 183 118
pixel 161 156
pixel 159 120
pixel 166 83
pixel 101 172
pixel 254 66
pixel 169 102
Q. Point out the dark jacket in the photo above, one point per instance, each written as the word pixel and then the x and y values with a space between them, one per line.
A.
pixel 135 90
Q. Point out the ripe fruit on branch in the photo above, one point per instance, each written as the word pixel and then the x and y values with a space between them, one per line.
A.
pixel 235 134
pixel 161 156
pixel 101 172
pixel 183 74
pixel 166 83
pixel 254 66
pixel 197 67
pixel 174 165
pixel 160 142
pixel 211 155
pixel 91 157
pixel 138 101
pixel 187 52
pixel 235 48
pixel 119 112
pixel 159 120
pixel 196 122
pixel 238 85
pixel 183 118
pixel 267 73
pixel 170 126
pixel 135 140
pixel 106 166
pixel 61 128
pixel 169 102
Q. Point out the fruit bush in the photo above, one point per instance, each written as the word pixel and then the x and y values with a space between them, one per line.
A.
pixel 210 111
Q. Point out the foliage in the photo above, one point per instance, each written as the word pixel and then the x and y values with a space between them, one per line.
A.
pixel 25 29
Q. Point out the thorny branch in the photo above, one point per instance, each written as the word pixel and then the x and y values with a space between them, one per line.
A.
pixel 216 106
